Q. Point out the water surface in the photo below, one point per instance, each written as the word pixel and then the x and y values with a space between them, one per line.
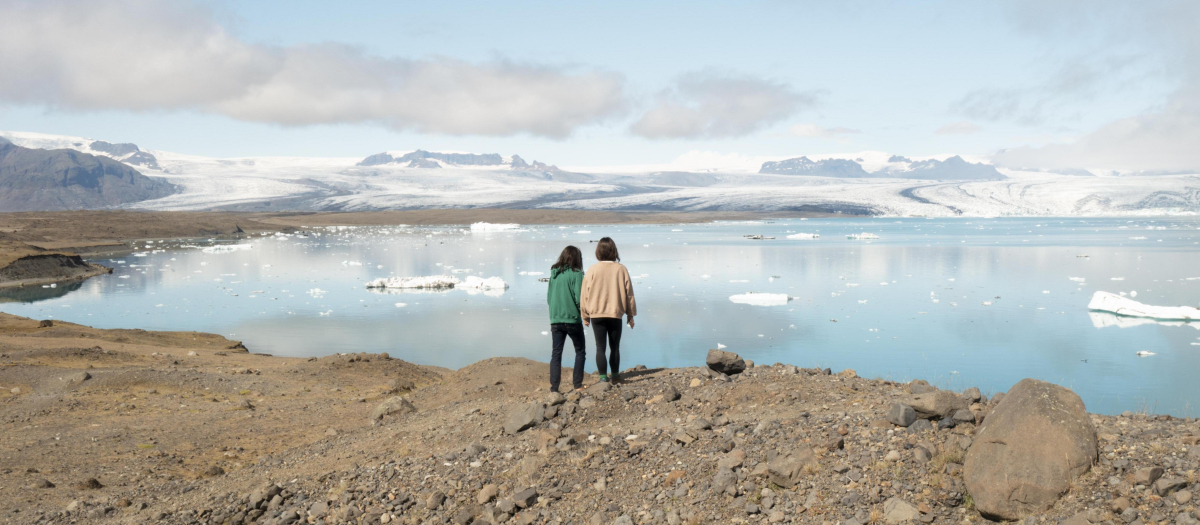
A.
pixel 959 302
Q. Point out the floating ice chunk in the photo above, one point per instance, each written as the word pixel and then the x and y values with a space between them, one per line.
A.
pixel 804 236
pixel 705 276
pixel 883 283
pixel 325 313
pixel 479 283
pixel 1118 278
pixel 739 280
pixel 862 301
pixel 862 236
pixel 351 263
pixel 1133 293
pixel 721 346
pixel 545 333
pixel 489 227
pixel 1145 353
pixel 761 299
pixel 401 305
pixel 987 303
pixel 1137 238
pixel 1116 304
pixel 122 277
pixel 676 230
pixel 1077 279
pixel 429 281
pixel 1045 291
pixel 584 231
pixel 317 293
pixel 225 248
pixel 140 254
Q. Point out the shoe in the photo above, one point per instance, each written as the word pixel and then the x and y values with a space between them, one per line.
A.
pixel 554 391
pixel 614 378
pixel 603 378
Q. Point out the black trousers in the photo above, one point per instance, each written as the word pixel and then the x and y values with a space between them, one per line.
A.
pixel 607 330
pixel 559 333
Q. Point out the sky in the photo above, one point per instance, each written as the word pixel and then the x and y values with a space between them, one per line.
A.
pixel 1025 84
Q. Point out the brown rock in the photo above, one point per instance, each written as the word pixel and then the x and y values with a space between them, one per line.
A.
pixel 788 470
pixel 1025 455
pixel 937 404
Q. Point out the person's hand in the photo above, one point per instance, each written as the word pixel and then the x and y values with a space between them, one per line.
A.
pixel 586 322
pixel 631 322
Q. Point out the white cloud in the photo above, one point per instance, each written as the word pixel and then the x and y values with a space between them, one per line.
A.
pixel 957 128
pixel 151 55
pixel 713 105
pixel 815 131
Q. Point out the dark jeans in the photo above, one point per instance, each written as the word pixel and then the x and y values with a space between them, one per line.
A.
pixel 607 329
pixel 559 333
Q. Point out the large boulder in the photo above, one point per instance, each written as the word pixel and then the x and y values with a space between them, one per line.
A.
pixel 393 405
pixel 725 362
pixel 937 405
pixel 524 416
pixel 1028 450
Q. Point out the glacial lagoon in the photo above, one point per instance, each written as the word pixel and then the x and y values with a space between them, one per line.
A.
pixel 958 302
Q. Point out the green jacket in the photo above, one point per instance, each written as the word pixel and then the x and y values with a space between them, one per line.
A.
pixel 563 296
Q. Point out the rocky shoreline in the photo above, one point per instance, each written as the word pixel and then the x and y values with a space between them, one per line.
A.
pixel 189 428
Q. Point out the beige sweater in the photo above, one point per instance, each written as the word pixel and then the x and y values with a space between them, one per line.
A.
pixel 607 292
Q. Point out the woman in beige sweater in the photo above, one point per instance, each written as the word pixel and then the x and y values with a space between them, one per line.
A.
pixel 607 296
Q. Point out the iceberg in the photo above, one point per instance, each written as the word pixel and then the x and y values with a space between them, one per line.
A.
pixel 436 282
pixel 761 299
pixel 804 236
pixel 862 236
pixel 1108 302
pixel 225 248
pixel 490 227
pixel 479 283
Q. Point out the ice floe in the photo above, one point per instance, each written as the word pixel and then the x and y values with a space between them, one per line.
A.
pixel 862 236
pixel 225 248
pixel 436 282
pixel 1109 302
pixel 491 227
pixel 1145 353
pixel 1106 319
pixel 804 236
pixel 761 299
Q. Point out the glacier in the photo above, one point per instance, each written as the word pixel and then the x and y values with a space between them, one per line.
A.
pixel 347 184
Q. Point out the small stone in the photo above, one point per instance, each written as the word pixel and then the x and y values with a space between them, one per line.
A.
pixel 526 498
pixel 696 382
pixel 725 362
pixel 77 377
pixel 1146 476
pixel 964 416
pixel 920 425
pixel 1165 486
pixel 1183 497
pixel 42 484
pixel 16 391
pixel 901 415
pixel 670 394
pixel 892 456
pixel 393 406
pixel 734 459
pixel 89 484
pixel 555 399
pixel 972 395
pixel 1120 504
pixel 835 443
pixel 920 455
pixel 896 510
pixel 487 493
pixel 525 416
pixel 435 500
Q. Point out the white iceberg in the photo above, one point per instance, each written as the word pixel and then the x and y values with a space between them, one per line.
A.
pixel 490 227
pixel 861 236
pixel 804 236
pixel 761 299
pixel 1108 302
pixel 436 282
pixel 479 283
pixel 225 248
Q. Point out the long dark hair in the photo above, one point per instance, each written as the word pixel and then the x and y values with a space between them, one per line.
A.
pixel 570 259
pixel 606 250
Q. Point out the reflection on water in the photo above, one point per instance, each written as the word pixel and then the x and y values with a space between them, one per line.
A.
pixel 35 293
pixel 1105 319
pixel 958 302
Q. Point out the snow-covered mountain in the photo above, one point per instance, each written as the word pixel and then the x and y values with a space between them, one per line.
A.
pixel 894 185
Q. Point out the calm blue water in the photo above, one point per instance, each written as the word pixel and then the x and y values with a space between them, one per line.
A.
pixel 908 305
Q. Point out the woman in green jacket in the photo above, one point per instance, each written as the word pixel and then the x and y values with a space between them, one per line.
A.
pixel 566 281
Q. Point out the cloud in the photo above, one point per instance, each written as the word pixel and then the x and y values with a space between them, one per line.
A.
pixel 152 55
pixel 957 128
pixel 708 104
pixel 815 131
pixel 1161 138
